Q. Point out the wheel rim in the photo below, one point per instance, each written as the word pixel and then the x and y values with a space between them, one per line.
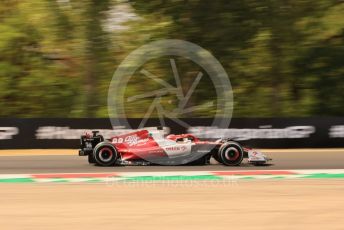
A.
pixel 105 154
pixel 232 154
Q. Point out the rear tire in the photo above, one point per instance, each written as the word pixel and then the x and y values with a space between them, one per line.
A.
pixel 105 154
pixel 231 153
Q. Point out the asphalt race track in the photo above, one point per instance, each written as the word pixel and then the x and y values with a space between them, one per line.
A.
pixel 267 204
pixel 285 159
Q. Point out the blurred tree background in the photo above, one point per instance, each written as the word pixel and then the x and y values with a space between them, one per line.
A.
pixel 284 58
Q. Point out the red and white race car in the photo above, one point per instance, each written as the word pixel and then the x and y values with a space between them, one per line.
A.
pixel 146 147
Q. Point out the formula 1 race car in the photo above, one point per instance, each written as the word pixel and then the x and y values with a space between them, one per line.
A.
pixel 147 147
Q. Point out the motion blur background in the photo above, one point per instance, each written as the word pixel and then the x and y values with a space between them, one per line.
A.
pixel 284 58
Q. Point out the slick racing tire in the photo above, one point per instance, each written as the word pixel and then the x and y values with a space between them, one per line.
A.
pixel 231 153
pixel 105 154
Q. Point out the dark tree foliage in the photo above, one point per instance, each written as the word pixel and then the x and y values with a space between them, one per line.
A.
pixel 284 58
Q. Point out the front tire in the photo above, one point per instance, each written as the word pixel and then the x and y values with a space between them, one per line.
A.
pixel 105 154
pixel 231 153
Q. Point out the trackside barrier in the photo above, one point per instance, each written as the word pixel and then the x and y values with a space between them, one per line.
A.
pixel 256 132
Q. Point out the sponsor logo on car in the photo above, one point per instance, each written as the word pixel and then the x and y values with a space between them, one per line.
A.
pixel 130 140
pixel 176 148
